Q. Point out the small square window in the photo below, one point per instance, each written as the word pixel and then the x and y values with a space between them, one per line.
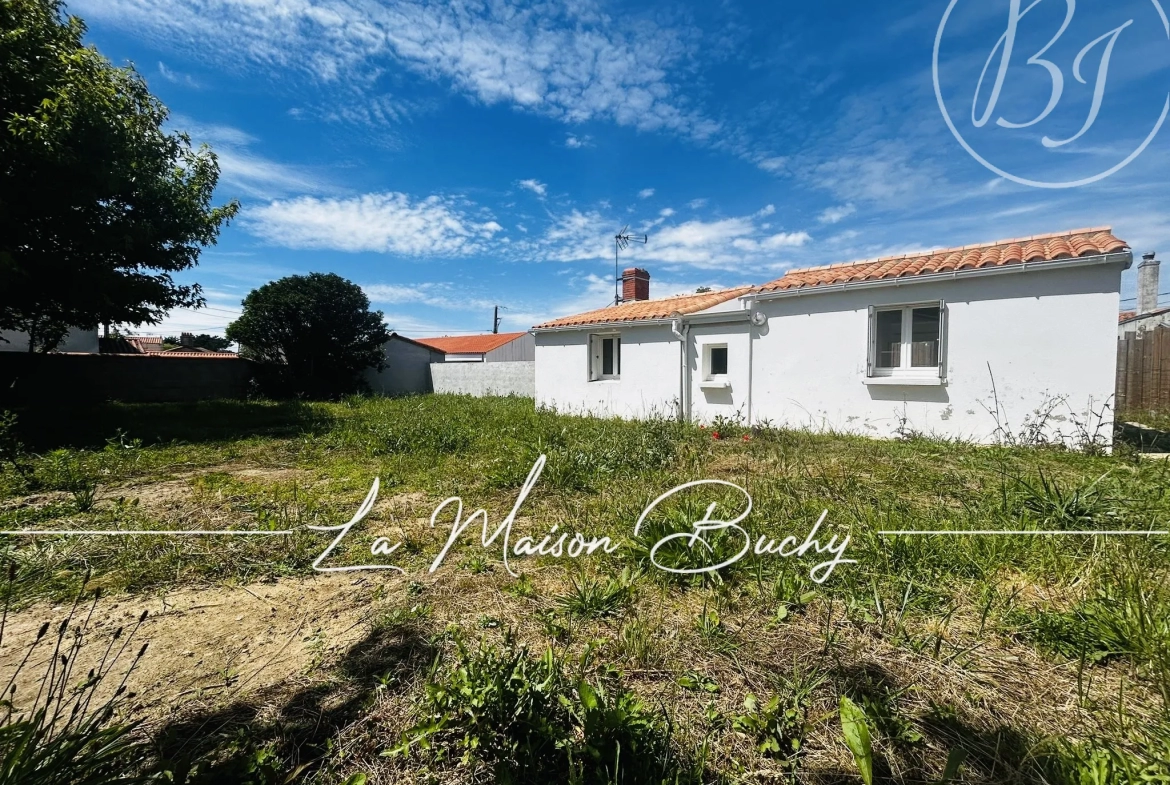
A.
pixel 714 361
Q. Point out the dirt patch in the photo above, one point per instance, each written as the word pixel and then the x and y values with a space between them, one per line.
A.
pixel 210 644
pixel 273 475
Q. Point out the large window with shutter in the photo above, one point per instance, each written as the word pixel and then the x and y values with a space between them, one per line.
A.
pixel 605 357
pixel 907 341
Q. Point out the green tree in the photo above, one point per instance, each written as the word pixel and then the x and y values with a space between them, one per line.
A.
pixel 99 207
pixel 216 343
pixel 315 331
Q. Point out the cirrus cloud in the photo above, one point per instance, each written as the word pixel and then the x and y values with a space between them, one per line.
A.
pixel 389 222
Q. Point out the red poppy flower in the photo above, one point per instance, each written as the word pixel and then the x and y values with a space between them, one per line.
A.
pixel 715 434
pixel 747 438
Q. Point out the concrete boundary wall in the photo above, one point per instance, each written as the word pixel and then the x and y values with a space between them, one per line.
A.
pixel 502 378
pixel 139 378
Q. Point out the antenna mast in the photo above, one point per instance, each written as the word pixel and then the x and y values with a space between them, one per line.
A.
pixel 621 241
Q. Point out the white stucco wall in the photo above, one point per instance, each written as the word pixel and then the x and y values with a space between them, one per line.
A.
pixel 650 373
pixel 706 403
pixel 510 378
pixel 76 340
pixel 407 371
pixel 1042 334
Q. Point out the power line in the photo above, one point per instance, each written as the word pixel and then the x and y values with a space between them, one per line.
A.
pixel 1160 294
pixel 211 308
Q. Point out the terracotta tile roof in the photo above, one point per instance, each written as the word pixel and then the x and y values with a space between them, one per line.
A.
pixel 469 344
pixel 146 343
pixel 649 309
pixel 1038 248
pixel 1132 316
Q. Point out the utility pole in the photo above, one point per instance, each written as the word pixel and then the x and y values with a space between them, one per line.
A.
pixel 496 319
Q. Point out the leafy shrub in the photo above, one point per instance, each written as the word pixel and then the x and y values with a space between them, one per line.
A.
pixel 530 721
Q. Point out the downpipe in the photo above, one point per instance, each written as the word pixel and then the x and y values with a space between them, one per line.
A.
pixel 682 331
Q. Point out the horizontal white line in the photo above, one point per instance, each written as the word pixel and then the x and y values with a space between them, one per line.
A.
pixel 172 533
pixel 1032 532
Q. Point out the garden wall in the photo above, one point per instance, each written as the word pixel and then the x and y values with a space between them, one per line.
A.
pixel 503 378
pixel 29 379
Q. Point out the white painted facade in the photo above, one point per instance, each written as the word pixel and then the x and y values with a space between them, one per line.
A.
pixel 76 340
pixel 801 358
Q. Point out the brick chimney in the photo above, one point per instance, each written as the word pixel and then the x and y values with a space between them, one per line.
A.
pixel 186 339
pixel 635 284
pixel 1147 296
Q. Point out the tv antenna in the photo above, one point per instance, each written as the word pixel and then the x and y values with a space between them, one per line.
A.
pixel 621 241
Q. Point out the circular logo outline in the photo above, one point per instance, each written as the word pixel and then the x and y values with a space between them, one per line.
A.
pixel 1023 180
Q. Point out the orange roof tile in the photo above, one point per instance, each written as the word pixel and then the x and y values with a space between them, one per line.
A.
pixel 1039 248
pixel 469 344
pixel 146 343
pixel 1126 315
pixel 640 310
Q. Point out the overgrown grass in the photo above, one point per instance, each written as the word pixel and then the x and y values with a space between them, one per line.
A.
pixel 1093 608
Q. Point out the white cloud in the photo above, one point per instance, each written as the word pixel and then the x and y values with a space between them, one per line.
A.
pixel 175 77
pixel 537 187
pixel 666 212
pixel 727 243
pixel 574 142
pixel 697 204
pixel 836 214
pixel 242 171
pixel 380 222
pixel 433 294
pixel 566 59
pixel 774 165
pixel 645 193
pixel 887 173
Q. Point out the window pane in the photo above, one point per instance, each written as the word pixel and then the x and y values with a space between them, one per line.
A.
pixel 924 350
pixel 889 339
pixel 718 360
pixel 607 356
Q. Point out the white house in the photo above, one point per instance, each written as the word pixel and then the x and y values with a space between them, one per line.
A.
pixel 78 340
pixel 933 343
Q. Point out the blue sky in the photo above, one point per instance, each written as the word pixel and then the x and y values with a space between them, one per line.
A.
pixel 452 156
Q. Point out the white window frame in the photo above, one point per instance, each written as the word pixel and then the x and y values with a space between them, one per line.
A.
pixel 597 354
pixel 906 373
pixel 709 379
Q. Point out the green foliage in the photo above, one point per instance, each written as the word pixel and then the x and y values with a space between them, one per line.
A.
pixel 99 207
pixel 316 332
pixel 855 729
pixel 11 448
pixel 594 598
pixel 1081 507
pixel 216 343
pixel 777 727
pixel 531 721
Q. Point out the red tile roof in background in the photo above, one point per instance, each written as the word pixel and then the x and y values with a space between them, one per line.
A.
pixel 146 343
pixel 469 344
pixel 1124 315
pixel 639 310
pixel 1038 248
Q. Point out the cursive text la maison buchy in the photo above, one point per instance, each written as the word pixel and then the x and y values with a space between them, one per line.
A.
pixel 564 545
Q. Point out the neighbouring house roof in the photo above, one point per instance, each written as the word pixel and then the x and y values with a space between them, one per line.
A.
pixel 146 343
pixel 640 310
pixel 1134 316
pixel 469 344
pixel 1038 248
